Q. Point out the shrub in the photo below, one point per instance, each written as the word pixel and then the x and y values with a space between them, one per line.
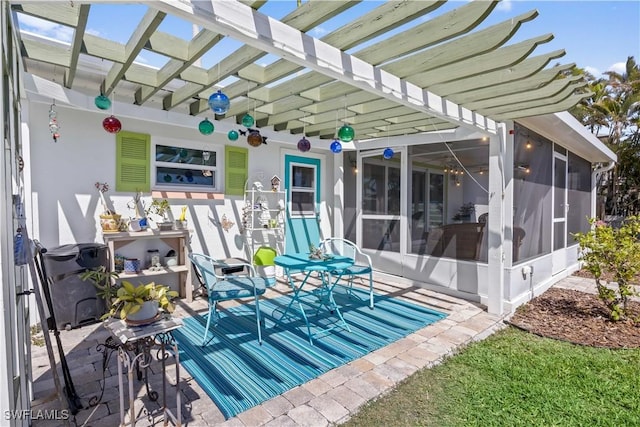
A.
pixel 609 252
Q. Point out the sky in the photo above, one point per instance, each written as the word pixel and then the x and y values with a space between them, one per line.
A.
pixel 596 35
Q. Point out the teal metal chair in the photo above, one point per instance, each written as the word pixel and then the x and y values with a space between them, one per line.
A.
pixel 362 262
pixel 223 286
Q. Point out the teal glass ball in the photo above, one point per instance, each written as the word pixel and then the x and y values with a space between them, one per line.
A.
pixel 102 102
pixel 247 121
pixel 206 127
pixel 233 135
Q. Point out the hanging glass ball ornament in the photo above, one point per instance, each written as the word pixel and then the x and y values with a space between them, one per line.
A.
pixel 304 145
pixel 219 102
pixel 206 127
pixel 102 102
pixel 346 133
pixel 111 124
pixel 247 120
pixel 254 139
pixel 232 135
pixel 387 153
pixel 335 146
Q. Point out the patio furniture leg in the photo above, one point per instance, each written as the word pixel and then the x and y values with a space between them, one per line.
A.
pixel 295 298
pixel 371 290
pixel 212 312
pixel 332 301
pixel 258 319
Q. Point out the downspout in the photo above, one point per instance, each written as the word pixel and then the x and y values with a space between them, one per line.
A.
pixel 594 178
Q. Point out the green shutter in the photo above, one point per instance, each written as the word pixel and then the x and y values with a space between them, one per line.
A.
pixel 236 164
pixel 133 161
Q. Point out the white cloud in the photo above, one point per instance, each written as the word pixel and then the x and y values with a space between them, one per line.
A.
pixel 593 71
pixel 318 32
pixel 46 28
pixel 618 67
pixel 504 6
pixel 93 32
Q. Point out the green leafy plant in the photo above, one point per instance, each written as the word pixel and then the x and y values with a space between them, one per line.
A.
pixel 609 252
pixel 104 281
pixel 159 207
pixel 130 298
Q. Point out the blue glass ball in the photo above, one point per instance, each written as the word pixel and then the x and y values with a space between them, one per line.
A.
pixel 102 102
pixel 206 127
pixel 219 103
pixel 232 135
pixel 387 153
pixel 346 133
pixel 304 145
pixel 247 120
pixel 336 147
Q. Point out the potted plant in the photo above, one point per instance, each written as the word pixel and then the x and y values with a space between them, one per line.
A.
pixel 464 213
pixel 181 222
pixel 104 281
pixel 160 208
pixel 138 222
pixel 141 304
pixel 110 221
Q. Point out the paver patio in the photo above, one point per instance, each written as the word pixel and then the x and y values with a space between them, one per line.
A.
pixel 327 400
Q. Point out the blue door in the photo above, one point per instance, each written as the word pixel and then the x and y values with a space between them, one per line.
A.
pixel 302 182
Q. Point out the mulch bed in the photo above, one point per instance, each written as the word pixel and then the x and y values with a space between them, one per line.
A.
pixel 577 317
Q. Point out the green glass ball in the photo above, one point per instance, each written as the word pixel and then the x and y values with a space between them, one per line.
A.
pixel 233 135
pixel 247 120
pixel 206 127
pixel 346 133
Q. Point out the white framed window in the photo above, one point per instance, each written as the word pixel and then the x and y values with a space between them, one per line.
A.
pixel 302 191
pixel 186 167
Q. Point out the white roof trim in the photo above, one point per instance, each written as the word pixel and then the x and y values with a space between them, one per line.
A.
pixel 564 129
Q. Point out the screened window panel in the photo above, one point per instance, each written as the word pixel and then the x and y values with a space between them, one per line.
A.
pixel 579 197
pixel 532 195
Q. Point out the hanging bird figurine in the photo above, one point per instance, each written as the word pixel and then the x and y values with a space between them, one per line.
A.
pixel 226 223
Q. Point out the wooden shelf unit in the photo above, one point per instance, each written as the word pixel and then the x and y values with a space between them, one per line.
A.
pixel 178 240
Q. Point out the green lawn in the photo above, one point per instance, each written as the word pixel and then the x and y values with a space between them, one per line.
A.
pixel 517 379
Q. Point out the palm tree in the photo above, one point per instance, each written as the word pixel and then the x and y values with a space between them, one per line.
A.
pixel 615 107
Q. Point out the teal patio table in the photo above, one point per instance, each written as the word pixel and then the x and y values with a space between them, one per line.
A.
pixel 326 267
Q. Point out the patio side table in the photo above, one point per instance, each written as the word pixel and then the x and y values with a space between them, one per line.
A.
pixel 134 352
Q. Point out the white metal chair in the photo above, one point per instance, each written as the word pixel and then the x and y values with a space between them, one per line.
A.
pixel 362 262
pixel 222 287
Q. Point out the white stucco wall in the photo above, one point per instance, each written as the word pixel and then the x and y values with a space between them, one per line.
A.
pixel 65 201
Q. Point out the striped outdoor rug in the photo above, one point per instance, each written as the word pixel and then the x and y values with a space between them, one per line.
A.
pixel 237 373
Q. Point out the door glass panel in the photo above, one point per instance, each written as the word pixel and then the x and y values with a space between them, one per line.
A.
pixel 559 182
pixel 418 209
pixel 558 235
pixel 372 188
pixel 381 234
pixel 436 200
pixel 302 203
pixel 303 190
pixel 393 191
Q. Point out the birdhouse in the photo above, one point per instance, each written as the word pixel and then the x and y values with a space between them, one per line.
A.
pixel 275 183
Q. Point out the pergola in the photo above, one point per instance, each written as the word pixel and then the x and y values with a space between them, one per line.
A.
pixel 388 72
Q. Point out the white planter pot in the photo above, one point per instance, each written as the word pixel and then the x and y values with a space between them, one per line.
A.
pixel 147 312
